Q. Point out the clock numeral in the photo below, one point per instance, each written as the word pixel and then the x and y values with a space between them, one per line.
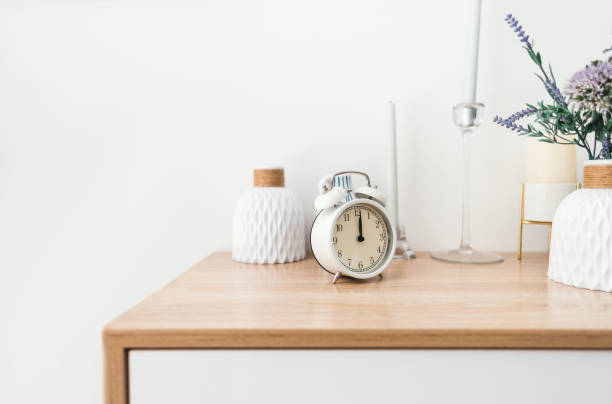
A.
pixel 360 265
pixel 335 240
pixel 382 237
pixel 357 212
pixel 339 253
pixel 347 217
pixel 379 249
pixel 368 214
pixel 349 261
pixel 372 260
pixel 338 227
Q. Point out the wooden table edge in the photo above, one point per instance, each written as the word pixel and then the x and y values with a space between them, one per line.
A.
pixel 360 338
pixel 118 343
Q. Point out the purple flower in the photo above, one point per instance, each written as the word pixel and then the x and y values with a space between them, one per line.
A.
pixel 606 148
pixel 513 23
pixel 591 88
pixel 555 93
pixel 510 122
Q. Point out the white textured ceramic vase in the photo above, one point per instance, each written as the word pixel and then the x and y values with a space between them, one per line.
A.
pixel 269 226
pixel 581 244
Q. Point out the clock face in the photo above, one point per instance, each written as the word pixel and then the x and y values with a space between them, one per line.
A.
pixel 361 238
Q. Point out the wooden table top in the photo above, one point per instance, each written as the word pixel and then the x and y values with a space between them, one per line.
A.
pixel 420 303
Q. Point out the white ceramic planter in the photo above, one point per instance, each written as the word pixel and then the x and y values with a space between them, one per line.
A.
pixel 542 200
pixel 581 244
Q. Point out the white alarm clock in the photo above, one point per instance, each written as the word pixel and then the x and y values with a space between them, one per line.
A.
pixel 353 238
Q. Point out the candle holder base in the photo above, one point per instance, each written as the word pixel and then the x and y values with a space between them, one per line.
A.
pixel 402 250
pixel 466 256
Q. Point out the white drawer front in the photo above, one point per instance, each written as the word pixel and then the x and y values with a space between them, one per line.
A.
pixel 369 376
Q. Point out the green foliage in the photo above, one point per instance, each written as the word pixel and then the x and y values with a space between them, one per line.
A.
pixel 555 123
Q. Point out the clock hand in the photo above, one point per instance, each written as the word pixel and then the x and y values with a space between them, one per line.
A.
pixel 360 237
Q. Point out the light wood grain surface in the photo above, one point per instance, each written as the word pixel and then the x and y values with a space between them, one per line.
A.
pixel 421 303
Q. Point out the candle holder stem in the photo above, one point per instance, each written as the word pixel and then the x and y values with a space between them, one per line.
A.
pixel 467 117
pixel 466 241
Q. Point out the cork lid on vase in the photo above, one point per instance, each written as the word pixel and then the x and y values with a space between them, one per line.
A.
pixel 597 174
pixel 269 177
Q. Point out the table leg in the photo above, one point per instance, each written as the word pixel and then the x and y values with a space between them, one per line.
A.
pixel 115 375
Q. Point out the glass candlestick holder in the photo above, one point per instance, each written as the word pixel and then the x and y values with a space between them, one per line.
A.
pixel 467 116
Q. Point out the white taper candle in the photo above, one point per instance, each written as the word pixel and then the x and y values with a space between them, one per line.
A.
pixel 392 177
pixel 473 70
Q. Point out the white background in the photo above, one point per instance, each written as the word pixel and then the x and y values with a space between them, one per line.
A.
pixel 128 130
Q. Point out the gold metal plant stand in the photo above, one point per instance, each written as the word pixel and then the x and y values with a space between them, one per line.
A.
pixel 523 222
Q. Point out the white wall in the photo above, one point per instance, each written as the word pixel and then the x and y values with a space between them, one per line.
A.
pixel 129 128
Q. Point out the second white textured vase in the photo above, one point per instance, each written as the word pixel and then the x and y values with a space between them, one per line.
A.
pixel 581 240
pixel 269 222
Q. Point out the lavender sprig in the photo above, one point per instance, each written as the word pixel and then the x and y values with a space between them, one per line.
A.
pixel 509 125
pixel 550 84
pixel 510 122
pixel 606 149
pixel 554 92
pixel 518 29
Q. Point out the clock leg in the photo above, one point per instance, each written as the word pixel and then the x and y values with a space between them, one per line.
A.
pixel 336 277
